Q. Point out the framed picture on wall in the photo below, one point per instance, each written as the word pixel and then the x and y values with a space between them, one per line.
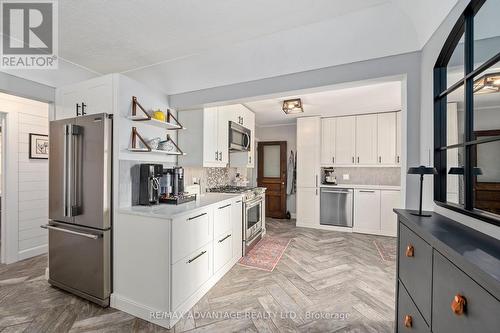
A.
pixel 39 146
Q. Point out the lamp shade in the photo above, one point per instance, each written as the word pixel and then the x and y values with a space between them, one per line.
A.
pixel 460 171
pixel 422 170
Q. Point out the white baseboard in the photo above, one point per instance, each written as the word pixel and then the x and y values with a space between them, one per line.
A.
pixel 325 227
pixel 144 312
pixel 293 215
pixel 34 251
pixel 138 310
pixel 373 232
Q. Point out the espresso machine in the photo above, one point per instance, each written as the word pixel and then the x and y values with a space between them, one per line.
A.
pixel 172 187
pixel 149 183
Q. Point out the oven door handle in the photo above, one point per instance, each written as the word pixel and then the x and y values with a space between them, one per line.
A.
pixel 253 203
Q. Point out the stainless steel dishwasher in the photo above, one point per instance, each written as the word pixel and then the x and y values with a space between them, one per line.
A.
pixel 336 206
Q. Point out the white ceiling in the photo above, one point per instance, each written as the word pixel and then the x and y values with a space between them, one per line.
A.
pixel 184 45
pixel 371 98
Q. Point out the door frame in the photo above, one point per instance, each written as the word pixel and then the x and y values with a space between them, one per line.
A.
pixel 283 168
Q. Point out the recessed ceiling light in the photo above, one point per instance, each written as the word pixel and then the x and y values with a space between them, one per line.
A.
pixel 292 106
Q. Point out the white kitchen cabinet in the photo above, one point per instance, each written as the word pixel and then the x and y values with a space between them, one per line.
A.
pixel 366 139
pixel 373 211
pixel 83 98
pixel 388 219
pixel 189 273
pixel 192 231
pixel 399 138
pixel 328 129
pixel 386 138
pixel 223 250
pixel 308 207
pixel 222 219
pixel 345 140
pixel 366 211
pixel 237 222
pixel 206 135
pixel 241 115
pixel 308 151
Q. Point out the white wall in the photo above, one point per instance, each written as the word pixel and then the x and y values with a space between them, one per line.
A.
pixel 428 57
pixel 26 186
pixel 286 133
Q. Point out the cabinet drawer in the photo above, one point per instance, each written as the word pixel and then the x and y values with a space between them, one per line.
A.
pixel 189 273
pixel 481 310
pixel 190 233
pixel 223 250
pixel 222 218
pixel 409 318
pixel 415 269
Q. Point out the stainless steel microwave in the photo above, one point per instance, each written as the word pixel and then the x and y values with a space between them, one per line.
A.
pixel 239 137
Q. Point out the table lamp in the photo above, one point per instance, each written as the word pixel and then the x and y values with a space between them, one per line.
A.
pixel 421 170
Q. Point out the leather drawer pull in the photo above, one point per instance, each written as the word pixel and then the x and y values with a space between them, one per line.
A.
pixel 410 251
pixel 408 321
pixel 458 304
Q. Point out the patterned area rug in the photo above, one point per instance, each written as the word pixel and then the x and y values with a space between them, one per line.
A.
pixel 266 254
pixel 386 249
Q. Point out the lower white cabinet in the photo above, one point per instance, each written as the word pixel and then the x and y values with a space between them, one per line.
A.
pixel 307 207
pixel 388 219
pixel 223 249
pixel 222 218
pixel 366 211
pixel 190 232
pixel 190 273
pixel 373 211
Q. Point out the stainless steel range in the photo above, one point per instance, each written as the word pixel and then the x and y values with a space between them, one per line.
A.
pixel 253 212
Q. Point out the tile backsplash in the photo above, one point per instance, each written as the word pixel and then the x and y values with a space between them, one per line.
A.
pixel 212 177
pixel 369 176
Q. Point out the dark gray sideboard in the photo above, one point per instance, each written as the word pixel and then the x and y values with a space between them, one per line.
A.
pixel 448 277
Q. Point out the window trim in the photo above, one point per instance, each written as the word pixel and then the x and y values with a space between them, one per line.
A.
pixel 464 26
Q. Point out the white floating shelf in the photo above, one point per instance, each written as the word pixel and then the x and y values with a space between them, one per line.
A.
pixel 156 123
pixel 154 151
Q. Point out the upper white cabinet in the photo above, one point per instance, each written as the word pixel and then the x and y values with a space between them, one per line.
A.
pixel 206 135
pixel 366 139
pixel 308 151
pixel 386 123
pixel 241 115
pixel 328 128
pixel 345 140
pixel 87 97
pixel 399 138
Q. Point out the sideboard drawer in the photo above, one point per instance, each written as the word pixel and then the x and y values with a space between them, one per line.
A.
pixel 415 269
pixel 481 312
pixel 409 318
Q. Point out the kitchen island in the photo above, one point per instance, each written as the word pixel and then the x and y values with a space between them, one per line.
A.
pixel 167 257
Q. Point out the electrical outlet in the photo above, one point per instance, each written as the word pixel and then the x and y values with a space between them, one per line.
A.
pixel 345 176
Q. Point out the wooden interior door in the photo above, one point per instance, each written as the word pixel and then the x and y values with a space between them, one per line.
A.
pixel 272 174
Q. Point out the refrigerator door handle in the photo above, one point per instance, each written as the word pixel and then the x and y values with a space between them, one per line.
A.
pixel 65 170
pixel 73 170
pixel 91 236
pixel 70 172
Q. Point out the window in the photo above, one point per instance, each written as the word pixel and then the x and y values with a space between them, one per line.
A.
pixel 467 115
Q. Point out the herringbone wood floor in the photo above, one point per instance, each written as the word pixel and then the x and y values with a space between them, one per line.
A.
pixel 325 282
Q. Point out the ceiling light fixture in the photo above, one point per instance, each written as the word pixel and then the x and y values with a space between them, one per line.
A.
pixel 487 84
pixel 292 106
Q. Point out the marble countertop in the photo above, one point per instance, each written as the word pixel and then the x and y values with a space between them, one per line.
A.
pixel 167 211
pixel 366 187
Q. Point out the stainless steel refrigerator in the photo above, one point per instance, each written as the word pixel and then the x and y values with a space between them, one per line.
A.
pixel 80 206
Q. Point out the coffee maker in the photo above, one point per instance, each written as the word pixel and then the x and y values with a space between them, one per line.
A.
pixel 172 183
pixel 149 183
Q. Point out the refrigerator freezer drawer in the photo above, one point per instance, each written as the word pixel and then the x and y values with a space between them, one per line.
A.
pixel 79 261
